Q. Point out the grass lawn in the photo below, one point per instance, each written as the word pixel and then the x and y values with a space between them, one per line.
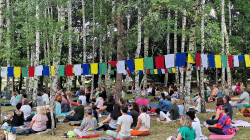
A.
pixel 158 130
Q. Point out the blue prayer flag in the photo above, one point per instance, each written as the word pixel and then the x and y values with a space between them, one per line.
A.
pixel 140 72
pixel 10 71
pixel 180 59
pixel 159 71
pixel 131 65
pixel 45 70
pixel 85 69
pixel 211 61
pixel 241 57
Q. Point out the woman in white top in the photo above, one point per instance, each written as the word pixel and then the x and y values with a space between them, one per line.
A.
pixel 13 100
pixel 143 123
pixel 198 103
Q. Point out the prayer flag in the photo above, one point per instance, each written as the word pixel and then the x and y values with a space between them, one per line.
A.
pixel 169 60
pixel 85 68
pixel 69 70
pixel 149 63
pixel 113 63
pixel 52 70
pixel 230 61
pixel 224 61
pixel 170 70
pixel 112 72
pixel 217 61
pixel 131 65
pixel 103 68
pixel 94 68
pixel 151 71
pixel 204 60
pixel 61 70
pixel 236 61
pixel 39 70
pixel 17 71
pixel 24 71
pixel 140 72
pixel 163 71
pixel 78 70
pixel 139 64
pixel 31 71
pixel 128 71
pixel 173 70
pixel 121 67
pixel 155 71
pixel 159 71
pixel 10 71
pixel 211 60
pixel 159 62
pixel 190 59
pixel 180 60
pixel 241 57
pixel 166 71
pixel 3 71
pixel 45 70
pixel 198 59
pixel 247 60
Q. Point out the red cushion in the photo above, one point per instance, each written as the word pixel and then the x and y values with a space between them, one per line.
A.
pixel 153 110
pixel 74 103
pixel 246 114
pixel 89 136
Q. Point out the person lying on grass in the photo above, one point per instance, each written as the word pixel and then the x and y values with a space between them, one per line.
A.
pixel 143 123
pixel 223 127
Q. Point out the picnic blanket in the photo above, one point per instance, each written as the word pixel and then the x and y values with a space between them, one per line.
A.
pixel 210 110
pixel 240 123
pixel 61 114
pixel 153 105
pixel 224 136
pixel 17 127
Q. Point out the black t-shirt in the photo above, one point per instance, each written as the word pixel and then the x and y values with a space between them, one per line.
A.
pixel 134 115
pixel 109 106
pixel 79 112
pixel 49 122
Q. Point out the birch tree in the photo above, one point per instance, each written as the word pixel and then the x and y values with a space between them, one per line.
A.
pixel 83 39
pixel 175 45
pixel 8 45
pixel 168 41
pixel 1 21
pixel 223 44
pixel 100 48
pixel 183 39
pixel 93 46
pixel 69 78
pixel 229 75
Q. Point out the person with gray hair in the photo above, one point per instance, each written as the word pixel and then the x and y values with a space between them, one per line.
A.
pixel 244 99
pixel 26 109
pixel 214 93
pixel 172 114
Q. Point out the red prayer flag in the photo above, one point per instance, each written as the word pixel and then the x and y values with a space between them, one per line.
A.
pixel 184 69
pixel 113 63
pixel 198 59
pixel 166 71
pixel 148 71
pixel 68 70
pixel 159 62
pixel 128 71
pixel 31 71
pixel 230 61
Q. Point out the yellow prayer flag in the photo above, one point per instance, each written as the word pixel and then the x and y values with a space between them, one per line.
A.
pixel 190 59
pixel 247 60
pixel 73 70
pixel 94 68
pixel 217 59
pixel 155 71
pixel 139 64
pixel 52 70
pixel 173 70
pixel 17 71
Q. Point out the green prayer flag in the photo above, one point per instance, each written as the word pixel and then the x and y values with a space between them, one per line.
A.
pixel 170 70
pixel 151 71
pixel 24 71
pixel 224 61
pixel 149 63
pixel 102 68
pixel 133 73
pixel 112 72
pixel 61 70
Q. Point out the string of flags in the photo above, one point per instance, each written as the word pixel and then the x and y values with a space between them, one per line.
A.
pixel 152 65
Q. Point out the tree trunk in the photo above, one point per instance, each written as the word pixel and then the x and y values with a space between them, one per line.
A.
pixel 138 50
pixel 69 78
pixel 83 39
pixel 128 29
pixel 191 45
pixel 203 103
pixel 8 46
pixel 1 21
pixel 177 79
pixel 168 42
pixel 183 39
pixel 20 83
pixel 229 76
pixel 100 52
pixel 146 44
pixel 223 45
pixel 36 62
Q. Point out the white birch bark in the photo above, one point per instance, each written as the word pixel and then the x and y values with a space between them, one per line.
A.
pixel 203 103
pixel 191 45
pixel 168 42
pixel 183 39
pixel 83 39
pixel 223 44
pixel 69 78
pixel 8 46
pixel 138 50
pixel 146 45
pixel 100 52
pixel 175 45
pixel 229 76
pixel 93 45
pixel 36 62
pixel 128 29
pixel 1 21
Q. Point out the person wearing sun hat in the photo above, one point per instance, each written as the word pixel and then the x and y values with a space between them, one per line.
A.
pixel 142 101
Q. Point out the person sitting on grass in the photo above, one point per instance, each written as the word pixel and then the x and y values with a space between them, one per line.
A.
pixel 143 123
pixel 16 118
pixel 223 127
pixel 45 97
pixel 26 109
pixel 172 114
pixel 214 93
pixel 180 106
pixel 58 107
pixel 175 95
pixel 142 101
pixel 65 104
pixel 13 100
pixel 107 106
pixel 39 121
pixel 226 100
pixel 83 98
pixel 198 102
pixel 244 99
pixel 76 114
pixel 99 103
pixel 134 112
pixel 215 118
pixel 39 99
pixel 24 97
pixel 123 125
pixel 88 125
pixel 164 105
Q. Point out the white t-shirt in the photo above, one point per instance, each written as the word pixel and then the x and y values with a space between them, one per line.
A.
pixel 13 101
pixel 46 98
pixel 197 128
pixel 149 90
pixel 26 109
pixel 145 123
pixel 198 107
pixel 165 93
pixel 244 97
pixel 125 121
pixel 83 98
pixel 233 87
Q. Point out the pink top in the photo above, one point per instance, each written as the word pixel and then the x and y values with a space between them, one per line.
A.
pixel 142 102
pixel 219 107
pixel 237 89
pixel 40 122
pixel 99 103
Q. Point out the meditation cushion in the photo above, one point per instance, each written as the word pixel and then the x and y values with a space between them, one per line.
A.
pixel 246 114
pixel 246 105
pixel 74 103
pixel 224 136
pixel 152 110
pixel 89 136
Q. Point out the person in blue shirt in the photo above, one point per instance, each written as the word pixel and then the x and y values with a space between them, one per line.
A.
pixel 164 105
pixel 79 91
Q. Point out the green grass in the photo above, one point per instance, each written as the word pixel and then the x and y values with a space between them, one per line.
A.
pixel 158 130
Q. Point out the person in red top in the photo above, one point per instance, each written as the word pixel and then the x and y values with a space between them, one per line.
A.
pixel 237 89
pixel 24 96
pixel 223 127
